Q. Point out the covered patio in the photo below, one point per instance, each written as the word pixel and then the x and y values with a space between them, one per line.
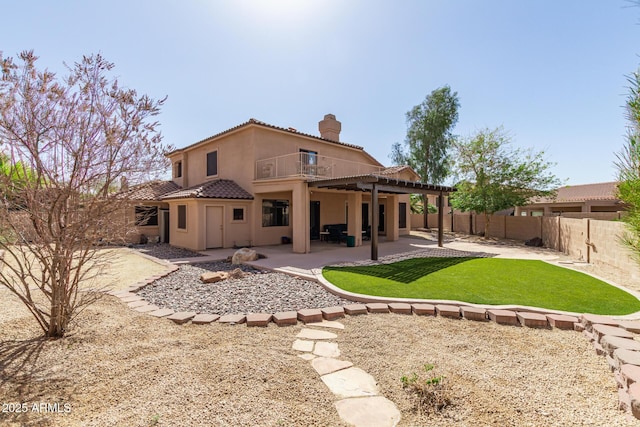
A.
pixel 375 185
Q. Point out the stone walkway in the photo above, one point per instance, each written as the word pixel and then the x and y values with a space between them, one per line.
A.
pixel 359 402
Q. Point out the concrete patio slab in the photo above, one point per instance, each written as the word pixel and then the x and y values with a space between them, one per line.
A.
pixel 374 411
pixel 327 365
pixel 351 382
pixel 314 334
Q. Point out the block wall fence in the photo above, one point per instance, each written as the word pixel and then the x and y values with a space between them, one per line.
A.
pixel 596 241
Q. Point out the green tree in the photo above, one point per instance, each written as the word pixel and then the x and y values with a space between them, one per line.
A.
pixel 429 137
pixel 628 165
pixel 68 142
pixel 494 176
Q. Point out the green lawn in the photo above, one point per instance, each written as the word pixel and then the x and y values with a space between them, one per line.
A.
pixel 486 281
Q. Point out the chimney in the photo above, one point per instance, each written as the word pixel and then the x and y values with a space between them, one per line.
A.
pixel 330 128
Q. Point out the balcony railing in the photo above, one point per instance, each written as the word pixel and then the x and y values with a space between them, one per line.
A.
pixel 310 165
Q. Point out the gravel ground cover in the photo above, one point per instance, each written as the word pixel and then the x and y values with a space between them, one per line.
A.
pixel 257 292
pixel 165 251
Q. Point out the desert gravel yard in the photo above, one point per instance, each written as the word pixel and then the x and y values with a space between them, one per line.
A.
pixel 118 367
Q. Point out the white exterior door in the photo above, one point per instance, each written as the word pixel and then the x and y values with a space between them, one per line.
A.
pixel 214 227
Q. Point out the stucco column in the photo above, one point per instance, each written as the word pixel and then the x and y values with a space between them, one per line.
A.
pixel 392 219
pixel 354 221
pixel 300 218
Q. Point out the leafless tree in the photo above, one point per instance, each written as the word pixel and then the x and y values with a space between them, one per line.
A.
pixel 68 142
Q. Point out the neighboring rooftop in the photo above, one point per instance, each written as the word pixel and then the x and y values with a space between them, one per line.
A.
pixel 151 191
pixel 583 193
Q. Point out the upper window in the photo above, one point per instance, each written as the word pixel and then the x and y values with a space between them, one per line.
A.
pixel 212 163
pixel 178 170
pixel 146 215
pixel 182 217
pixel 308 157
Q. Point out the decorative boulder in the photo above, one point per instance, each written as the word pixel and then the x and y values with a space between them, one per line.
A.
pixel 536 241
pixel 236 274
pixel 243 255
pixel 213 277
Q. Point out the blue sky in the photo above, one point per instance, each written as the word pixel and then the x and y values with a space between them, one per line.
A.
pixel 552 72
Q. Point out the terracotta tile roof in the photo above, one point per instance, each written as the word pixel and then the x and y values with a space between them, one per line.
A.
pixel 266 125
pixel 153 190
pixel 583 193
pixel 216 189
pixel 393 170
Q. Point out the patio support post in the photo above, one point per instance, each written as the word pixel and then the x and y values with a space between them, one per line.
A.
pixel 354 222
pixel 440 218
pixel 375 219
pixel 300 214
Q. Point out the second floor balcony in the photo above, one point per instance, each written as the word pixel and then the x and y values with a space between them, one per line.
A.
pixel 310 165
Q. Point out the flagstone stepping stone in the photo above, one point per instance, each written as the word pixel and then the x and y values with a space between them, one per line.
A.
pixel 203 319
pixel 327 365
pixel 133 298
pixel 373 411
pixel 326 349
pixel 314 334
pixel 599 330
pixel 611 343
pixel 351 382
pixel 303 345
pixel 330 324
pixel 307 356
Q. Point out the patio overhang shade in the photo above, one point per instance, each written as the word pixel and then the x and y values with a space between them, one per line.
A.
pixel 375 184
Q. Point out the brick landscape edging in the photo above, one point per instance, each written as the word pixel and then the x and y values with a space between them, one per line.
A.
pixel 623 358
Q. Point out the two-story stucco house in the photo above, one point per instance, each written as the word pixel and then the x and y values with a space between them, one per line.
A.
pixel 257 184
